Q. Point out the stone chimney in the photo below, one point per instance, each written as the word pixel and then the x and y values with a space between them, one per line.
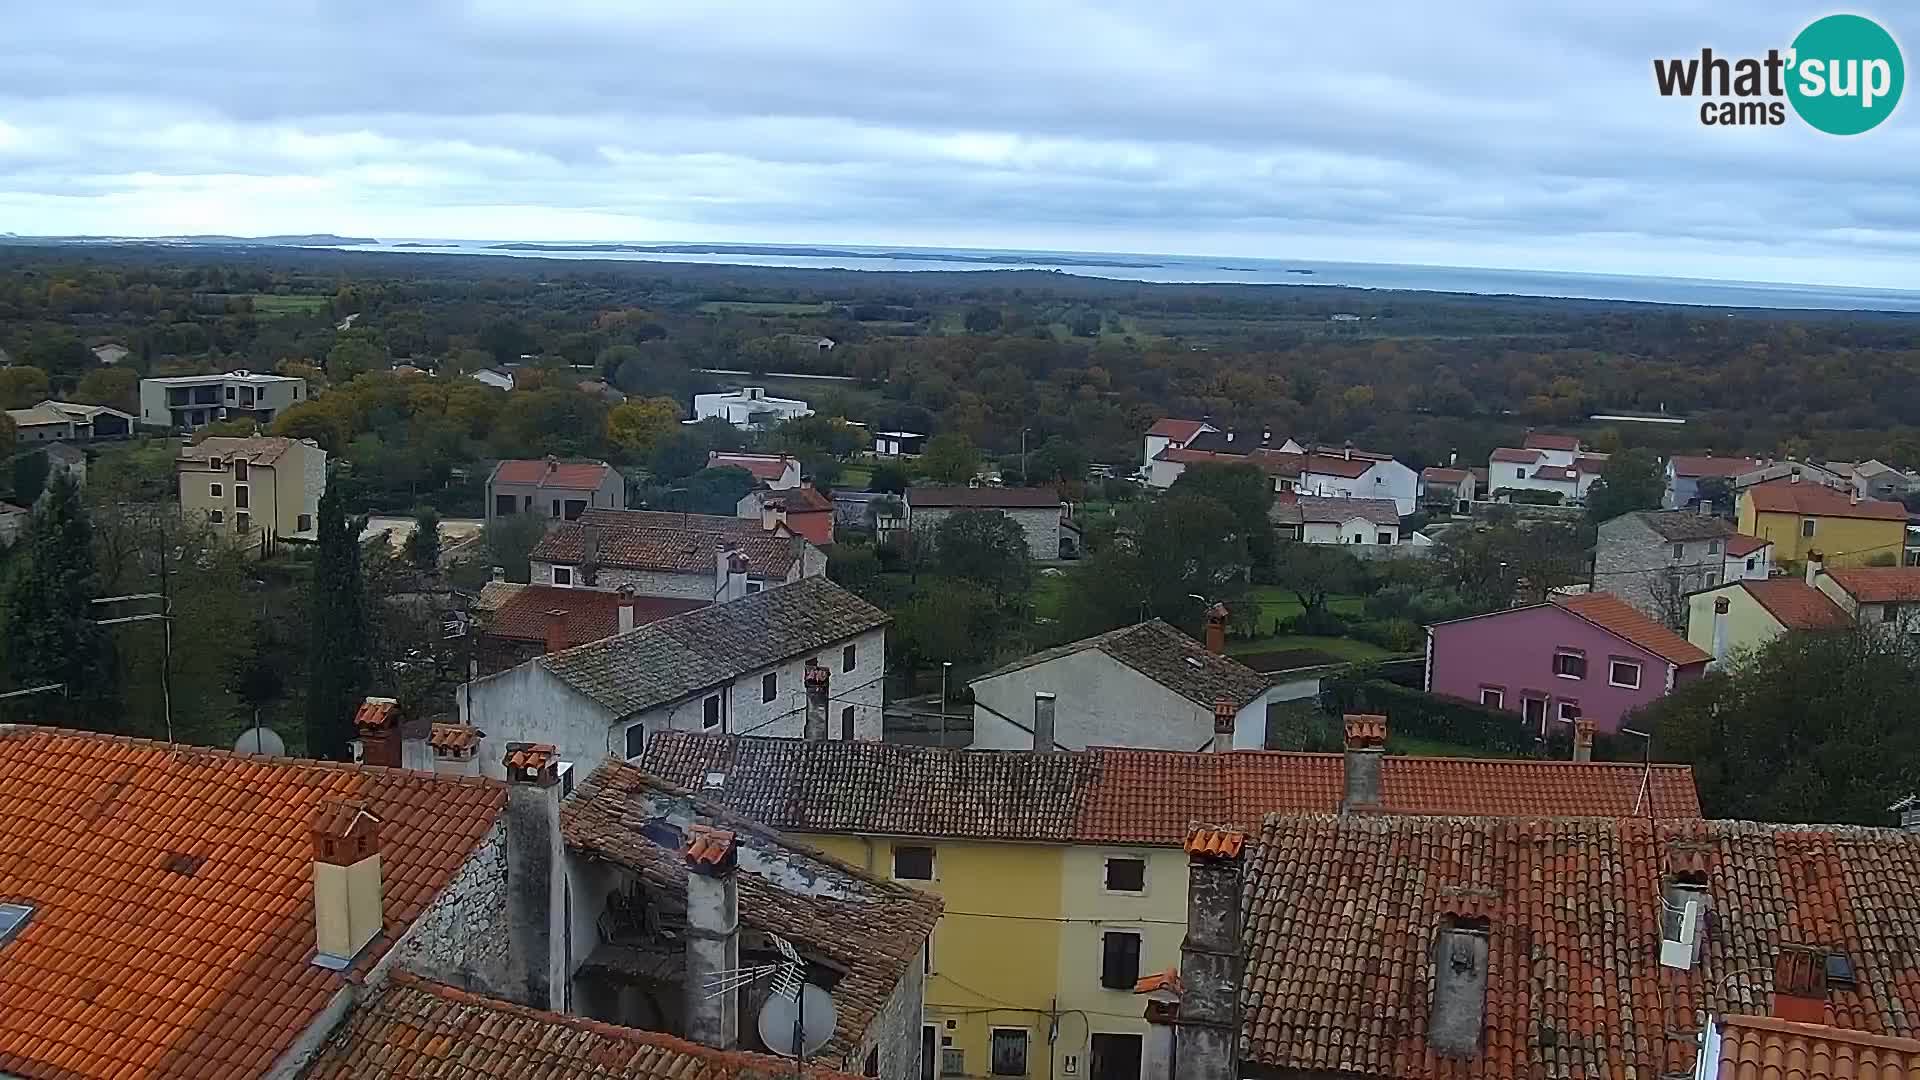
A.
pixel 556 630
pixel 347 900
pixel 815 680
pixel 1223 717
pixel 1583 738
pixel 1459 1008
pixel 499 573
pixel 1721 605
pixel 536 878
pixel 1207 1031
pixel 1043 738
pixel 416 743
pixel 377 723
pixel 627 606
pixel 1217 629
pixel 713 936
pixel 1816 562
pixel 1366 746
pixel 1800 985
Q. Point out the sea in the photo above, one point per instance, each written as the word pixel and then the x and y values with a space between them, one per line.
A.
pixel 1194 269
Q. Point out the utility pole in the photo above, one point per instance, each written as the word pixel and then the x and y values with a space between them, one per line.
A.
pixel 946 666
pixel 1023 456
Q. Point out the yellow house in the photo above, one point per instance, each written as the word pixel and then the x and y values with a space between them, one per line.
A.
pixel 1799 517
pixel 1063 874
pixel 255 490
pixel 1757 612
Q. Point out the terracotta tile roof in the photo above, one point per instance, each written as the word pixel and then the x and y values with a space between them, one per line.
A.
pixel 1684 465
pixel 764 467
pixel 995 498
pixel 1796 605
pixel 1168 980
pixel 1590 463
pixel 415 1029
pixel 667 543
pixel 1541 440
pixel 258 449
pixel 683 654
pixel 801 500
pixel 1516 457
pixel 1681 525
pixel 1341 914
pixel 1319 509
pixel 1740 545
pixel 1110 795
pixel 1612 614
pixel 1271 462
pixel 1434 474
pixel 1561 473
pixel 551 473
pixel 1817 500
pixel 455 738
pixel 1162 653
pixel 1335 465
pixel 173 898
pixel 1214 842
pixel 375 713
pixel 871 929
pixel 1177 430
pixel 1762 1048
pixel 530 756
pixel 706 844
pixel 519 612
pixel 1879 584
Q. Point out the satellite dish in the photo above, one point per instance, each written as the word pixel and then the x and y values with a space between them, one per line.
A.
pixel 260 740
pixel 812 1012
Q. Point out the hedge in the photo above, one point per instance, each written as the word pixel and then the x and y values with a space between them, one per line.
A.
pixel 1427 716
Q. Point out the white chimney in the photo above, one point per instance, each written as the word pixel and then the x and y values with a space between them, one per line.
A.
pixel 626 608
pixel 347 901
pixel 1815 563
pixel 1720 606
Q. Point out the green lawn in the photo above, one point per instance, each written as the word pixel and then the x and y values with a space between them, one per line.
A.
pixel 855 477
pixel 1413 746
pixel 268 304
pixel 1337 647
pixel 1278 603
pixel 1049 593
pixel 756 307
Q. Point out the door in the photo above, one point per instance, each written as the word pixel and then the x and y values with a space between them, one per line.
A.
pixel 1115 1057
pixel 1535 710
pixel 929 1052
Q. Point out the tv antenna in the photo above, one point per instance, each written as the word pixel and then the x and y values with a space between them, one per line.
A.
pixel 798 1018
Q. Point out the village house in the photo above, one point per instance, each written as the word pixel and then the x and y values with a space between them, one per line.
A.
pixel 1740 616
pixel 1749 558
pixel 1590 655
pixel 256 490
pixel 780 472
pixel 497 378
pixel 1685 473
pixel 1171 463
pixel 1314 519
pixel 1710 949
pixel 689 556
pixel 1875 479
pixel 554 489
pixel 1170 432
pixel 803 510
pixel 749 407
pixel 188 402
pixel 1653 559
pixel 514 623
pixel 1354 474
pixel 1531 469
pixel 111 353
pixel 1063 873
pixel 1872 595
pixel 1037 510
pixel 68 421
pixel 1447 490
pixel 1146 685
pixel 897 444
pixel 1798 517
pixel 729 667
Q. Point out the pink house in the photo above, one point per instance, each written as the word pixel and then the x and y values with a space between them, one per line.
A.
pixel 1588 655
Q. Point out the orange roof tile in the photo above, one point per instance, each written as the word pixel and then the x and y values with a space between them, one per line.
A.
pixel 1795 604
pixel 1783 496
pixel 1168 980
pixel 708 845
pixel 533 756
pixel 1740 545
pixel 1763 1048
pixel 519 612
pixel 1616 617
pixel 455 738
pixel 1177 430
pixel 547 473
pixel 1517 457
pixel 1879 584
pixel 1542 440
pixel 416 1029
pixel 173 899
pixel 376 714
pixel 1216 842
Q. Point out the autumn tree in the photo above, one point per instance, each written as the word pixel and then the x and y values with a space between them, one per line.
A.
pixel 638 424
pixel 951 458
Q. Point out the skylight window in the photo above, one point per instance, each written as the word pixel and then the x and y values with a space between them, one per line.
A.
pixel 12 918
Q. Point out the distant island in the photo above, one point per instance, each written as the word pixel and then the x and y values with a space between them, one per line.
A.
pixel 318 240
pixel 828 253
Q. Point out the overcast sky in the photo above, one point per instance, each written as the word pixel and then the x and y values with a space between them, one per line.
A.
pixel 1514 135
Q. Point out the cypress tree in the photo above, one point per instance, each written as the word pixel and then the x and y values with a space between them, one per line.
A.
pixel 51 636
pixel 337 664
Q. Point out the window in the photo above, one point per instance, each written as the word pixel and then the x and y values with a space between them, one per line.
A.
pixel 846 724
pixel 243 521
pixel 1624 673
pixel 1119 959
pixel 12 918
pixel 1384 538
pixel 912 863
pixel 215 490
pixel 240 496
pixel 769 686
pixel 1115 1057
pixel 754 587
pixel 574 508
pixel 1493 697
pixel 229 393
pixel 296 392
pixel 1713 547
pixel 1009 1052
pixel 636 740
pixel 1713 577
pixel 556 509
pixel 846 658
pixel 1750 562
pixel 1806 527
pixel 216 516
pixel 239 468
pixel 1570 664
pixel 1679 552
pixel 1126 875
pixel 1569 711
pixel 710 712
pixel 563 576
pixel 303 522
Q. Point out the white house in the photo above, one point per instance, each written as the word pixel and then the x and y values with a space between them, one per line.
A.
pixel 1147 685
pixel 899 443
pixel 1356 474
pixel 1315 519
pixel 748 407
pixel 1171 432
pixel 732 668
pixel 111 353
pixel 495 377
pixel 1748 558
pixel 1509 469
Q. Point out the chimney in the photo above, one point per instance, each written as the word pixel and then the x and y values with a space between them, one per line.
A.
pixel 1366 745
pixel 377 724
pixel 1816 561
pixel 1162 991
pixel 1795 478
pixel 1217 629
pixel 556 630
pixel 773 514
pixel 1853 497
pixel 1720 607
pixel 537 966
pixel 1208 1026
pixel 1909 810
pixel 713 936
pixel 499 573
pixel 1583 738
pixel 1043 740
pixel 816 684
pixel 1223 716
pixel 347 909
pixel 730 574
pixel 416 743
pixel 553 464
pixel 1453 458
pixel 456 749
pixel 1459 1008
pixel 1800 985
pixel 1346 452
pixel 626 603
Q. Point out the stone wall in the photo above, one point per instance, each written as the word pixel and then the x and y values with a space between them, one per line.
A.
pixel 461 938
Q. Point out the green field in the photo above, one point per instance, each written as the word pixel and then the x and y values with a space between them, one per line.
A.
pixel 1339 648
pixel 755 307
pixel 268 304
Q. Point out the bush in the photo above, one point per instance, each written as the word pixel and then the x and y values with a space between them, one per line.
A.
pixel 1530 497
pixel 1302 725
pixel 1427 716
pixel 1321 623
pixel 1394 635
